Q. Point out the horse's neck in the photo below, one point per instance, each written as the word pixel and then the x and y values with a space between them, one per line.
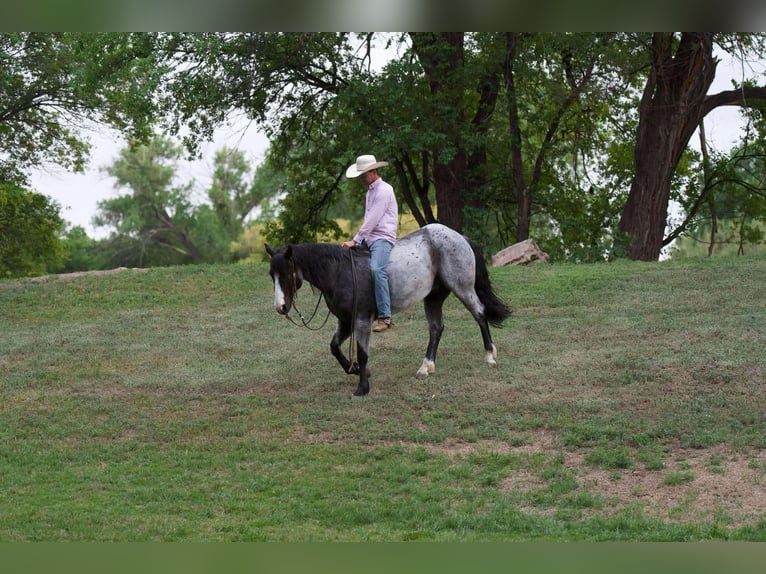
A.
pixel 317 267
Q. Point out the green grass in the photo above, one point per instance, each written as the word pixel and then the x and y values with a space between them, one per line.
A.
pixel 176 405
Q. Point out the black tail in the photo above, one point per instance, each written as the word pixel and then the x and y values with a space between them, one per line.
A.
pixel 495 310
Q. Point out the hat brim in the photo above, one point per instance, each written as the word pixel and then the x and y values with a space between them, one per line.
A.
pixel 352 171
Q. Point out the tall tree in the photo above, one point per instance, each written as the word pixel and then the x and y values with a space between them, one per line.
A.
pixel 442 57
pixel 670 110
pixel 156 213
pixel 553 166
pixel 573 69
pixel 673 104
pixel 230 192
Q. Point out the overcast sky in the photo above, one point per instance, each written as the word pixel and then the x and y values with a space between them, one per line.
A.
pixel 79 194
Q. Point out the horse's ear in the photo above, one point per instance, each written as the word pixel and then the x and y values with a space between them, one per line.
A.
pixel 289 252
pixel 269 250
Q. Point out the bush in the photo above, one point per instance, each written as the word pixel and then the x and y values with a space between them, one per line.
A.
pixel 30 226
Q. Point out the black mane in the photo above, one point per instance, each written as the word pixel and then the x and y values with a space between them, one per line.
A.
pixel 327 263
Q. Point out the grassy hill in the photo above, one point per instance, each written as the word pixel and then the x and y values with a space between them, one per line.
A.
pixel 175 404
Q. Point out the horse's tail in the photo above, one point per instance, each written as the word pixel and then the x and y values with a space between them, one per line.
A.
pixel 495 310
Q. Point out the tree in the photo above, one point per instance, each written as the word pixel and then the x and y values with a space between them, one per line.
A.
pixel 729 214
pixel 79 252
pixel 673 104
pixel 53 84
pixel 229 193
pixel 157 213
pixel 30 226
pixel 558 89
pixel 442 57
pixel 235 193
pixel 525 133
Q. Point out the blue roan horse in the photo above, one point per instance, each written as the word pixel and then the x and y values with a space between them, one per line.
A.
pixel 426 265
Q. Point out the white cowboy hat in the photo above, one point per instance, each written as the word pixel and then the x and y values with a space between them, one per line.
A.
pixel 364 163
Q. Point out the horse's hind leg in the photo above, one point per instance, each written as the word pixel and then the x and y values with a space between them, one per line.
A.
pixel 433 307
pixel 470 299
pixel 489 346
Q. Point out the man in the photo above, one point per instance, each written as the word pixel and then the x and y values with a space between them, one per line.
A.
pixel 378 230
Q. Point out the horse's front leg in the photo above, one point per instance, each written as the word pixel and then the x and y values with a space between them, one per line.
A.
pixel 342 333
pixel 362 331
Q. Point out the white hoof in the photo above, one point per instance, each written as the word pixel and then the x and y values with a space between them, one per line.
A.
pixel 426 368
pixel 490 357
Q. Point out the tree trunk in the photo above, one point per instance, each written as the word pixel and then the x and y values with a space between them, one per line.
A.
pixel 477 201
pixel 188 246
pixel 420 207
pixel 671 108
pixel 441 56
pixel 520 187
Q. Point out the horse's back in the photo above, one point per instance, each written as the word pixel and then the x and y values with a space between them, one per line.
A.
pixel 418 259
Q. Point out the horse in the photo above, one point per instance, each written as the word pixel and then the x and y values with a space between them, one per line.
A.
pixel 426 265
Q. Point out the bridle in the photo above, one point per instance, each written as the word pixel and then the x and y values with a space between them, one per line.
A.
pixel 303 321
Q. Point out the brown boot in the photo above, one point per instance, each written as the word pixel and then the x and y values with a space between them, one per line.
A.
pixel 383 324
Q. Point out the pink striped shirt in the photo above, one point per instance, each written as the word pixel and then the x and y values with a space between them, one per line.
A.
pixel 381 214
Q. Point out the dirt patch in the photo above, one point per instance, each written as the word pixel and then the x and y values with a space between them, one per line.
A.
pixel 709 484
pixel 701 484
pixel 75 275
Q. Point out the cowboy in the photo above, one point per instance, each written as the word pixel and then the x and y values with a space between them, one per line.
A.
pixel 378 231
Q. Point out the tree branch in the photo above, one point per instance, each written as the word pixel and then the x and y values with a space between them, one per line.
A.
pixel 738 97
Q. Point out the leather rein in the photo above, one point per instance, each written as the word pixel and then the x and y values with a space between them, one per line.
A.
pixel 307 322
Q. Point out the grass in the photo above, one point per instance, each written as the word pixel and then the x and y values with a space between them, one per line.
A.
pixel 176 405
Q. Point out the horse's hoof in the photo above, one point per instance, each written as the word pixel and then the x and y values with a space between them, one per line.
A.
pixel 426 368
pixel 358 393
pixel 355 371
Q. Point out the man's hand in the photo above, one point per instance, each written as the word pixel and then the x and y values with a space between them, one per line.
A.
pixel 348 244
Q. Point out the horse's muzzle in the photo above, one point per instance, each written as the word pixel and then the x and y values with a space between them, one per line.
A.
pixel 282 309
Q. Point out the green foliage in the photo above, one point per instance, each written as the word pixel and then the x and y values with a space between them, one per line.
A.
pixel 229 193
pixel 30 225
pixel 80 253
pixel 157 223
pixel 503 135
pixel 728 215
pixel 52 83
pixel 156 213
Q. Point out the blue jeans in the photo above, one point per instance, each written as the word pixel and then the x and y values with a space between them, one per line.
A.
pixel 379 254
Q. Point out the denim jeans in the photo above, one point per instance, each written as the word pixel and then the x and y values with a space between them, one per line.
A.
pixel 380 251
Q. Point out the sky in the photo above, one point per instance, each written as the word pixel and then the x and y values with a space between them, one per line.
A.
pixel 78 194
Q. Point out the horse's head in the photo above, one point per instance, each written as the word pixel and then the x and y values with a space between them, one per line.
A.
pixel 286 276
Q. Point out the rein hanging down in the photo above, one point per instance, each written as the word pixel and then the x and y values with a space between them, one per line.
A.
pixel 307 323
pixel 304 322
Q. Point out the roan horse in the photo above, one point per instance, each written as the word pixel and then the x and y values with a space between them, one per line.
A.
pixel 426 265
